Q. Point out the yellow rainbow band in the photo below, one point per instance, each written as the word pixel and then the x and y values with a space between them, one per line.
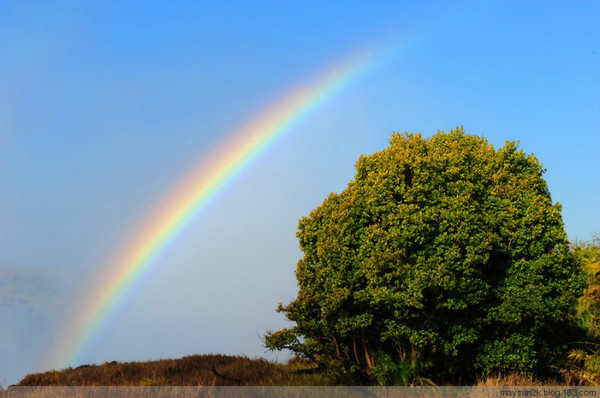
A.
pixel 195 192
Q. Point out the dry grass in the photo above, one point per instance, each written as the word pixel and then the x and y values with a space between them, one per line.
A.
pixel 515 379
pixel 195 370
pixel 222 370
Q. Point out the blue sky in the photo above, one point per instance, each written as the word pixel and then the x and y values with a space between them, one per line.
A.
pixel 103 105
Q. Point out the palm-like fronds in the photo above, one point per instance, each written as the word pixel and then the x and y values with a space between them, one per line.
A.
pixel 585 366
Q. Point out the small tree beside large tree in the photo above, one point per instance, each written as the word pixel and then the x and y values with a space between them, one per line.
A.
pixel 442 254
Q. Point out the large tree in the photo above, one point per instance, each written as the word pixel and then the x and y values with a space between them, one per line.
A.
pixel 441 250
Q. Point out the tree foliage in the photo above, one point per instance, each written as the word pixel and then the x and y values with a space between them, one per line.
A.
pixel 441 251
pixel 589 303
pixel 584 366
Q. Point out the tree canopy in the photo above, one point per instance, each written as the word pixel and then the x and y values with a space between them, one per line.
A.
pixel 441 251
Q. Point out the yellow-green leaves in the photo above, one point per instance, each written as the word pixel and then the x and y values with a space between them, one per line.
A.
pixel 441 249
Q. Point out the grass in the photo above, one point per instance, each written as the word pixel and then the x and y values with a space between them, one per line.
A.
pixel 516 379
pixel 195 370
pixel 220 370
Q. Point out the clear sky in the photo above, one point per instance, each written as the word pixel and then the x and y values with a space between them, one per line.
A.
pixel 104 105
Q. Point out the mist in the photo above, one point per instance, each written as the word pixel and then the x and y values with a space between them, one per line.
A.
pixel 34 301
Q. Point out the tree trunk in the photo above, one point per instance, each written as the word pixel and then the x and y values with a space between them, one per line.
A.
pixel 401 353
pixel 368 357
pixel 355 350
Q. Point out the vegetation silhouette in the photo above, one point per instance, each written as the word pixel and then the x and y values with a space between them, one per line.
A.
pixel 195 370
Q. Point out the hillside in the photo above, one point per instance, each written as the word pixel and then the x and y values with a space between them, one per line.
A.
pixel 195 370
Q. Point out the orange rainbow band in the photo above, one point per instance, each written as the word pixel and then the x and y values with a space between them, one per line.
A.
pixel 195 192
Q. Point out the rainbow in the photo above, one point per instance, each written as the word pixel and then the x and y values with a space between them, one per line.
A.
pixel 191 196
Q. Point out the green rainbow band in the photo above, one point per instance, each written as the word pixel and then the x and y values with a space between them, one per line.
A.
pixel 195 192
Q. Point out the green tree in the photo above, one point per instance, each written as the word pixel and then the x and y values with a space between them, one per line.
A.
pixel 585 356
pixel 441 251
pixel 589 303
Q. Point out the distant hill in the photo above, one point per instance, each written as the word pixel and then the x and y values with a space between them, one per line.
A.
pixel 195 370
